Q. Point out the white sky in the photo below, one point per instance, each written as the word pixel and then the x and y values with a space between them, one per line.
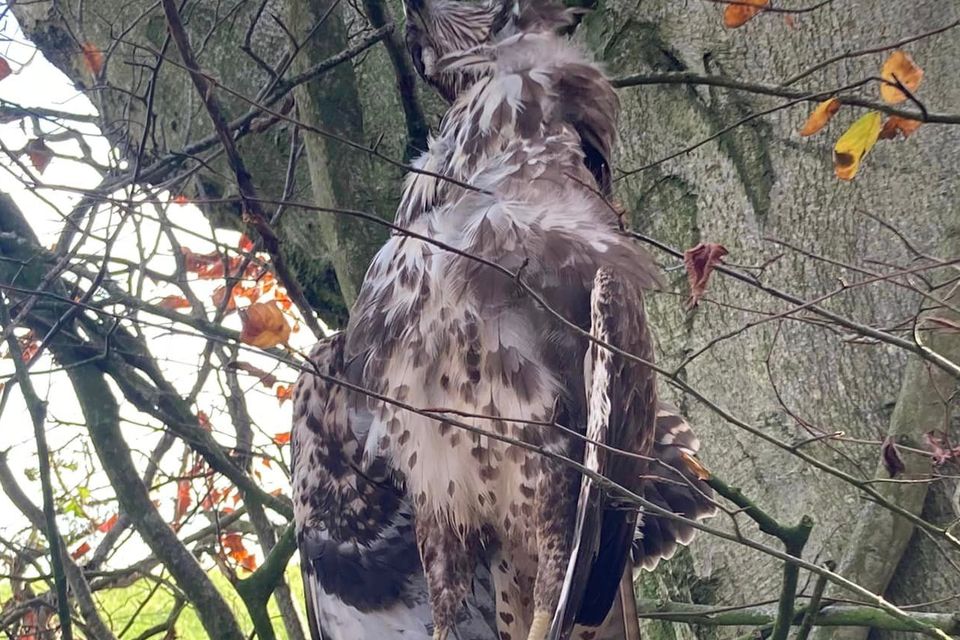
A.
pixel 35 82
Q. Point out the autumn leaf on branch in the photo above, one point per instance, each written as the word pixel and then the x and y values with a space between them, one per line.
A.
pixel 899 68
pixel 92 58
pixel 854 144
pixel 896 125
pixel 39 153
pixel 80 551
pixel 174 302
pixel 264 325
pixel 700 262
pixel 245 245
pixel 5 69
pixel 217 298
pixel 108 524
pixel 821 115
pixel 941 451
pixel 284 393
pixel 892 461
pixel 281 438
pixel 740 12
pixel 183 499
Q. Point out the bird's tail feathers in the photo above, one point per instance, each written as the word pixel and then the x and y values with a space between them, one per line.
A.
pixel 675 485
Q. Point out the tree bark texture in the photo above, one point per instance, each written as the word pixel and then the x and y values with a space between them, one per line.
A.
pixel 757 183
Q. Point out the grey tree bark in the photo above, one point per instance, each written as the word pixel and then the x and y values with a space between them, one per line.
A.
pixel 758 183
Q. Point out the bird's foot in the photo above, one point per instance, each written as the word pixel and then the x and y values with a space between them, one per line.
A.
pixel 540 627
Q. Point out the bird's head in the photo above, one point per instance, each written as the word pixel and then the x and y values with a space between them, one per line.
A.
pixel 437 28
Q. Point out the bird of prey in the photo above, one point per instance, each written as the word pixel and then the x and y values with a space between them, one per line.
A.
pixel 361 568
pixel 481 343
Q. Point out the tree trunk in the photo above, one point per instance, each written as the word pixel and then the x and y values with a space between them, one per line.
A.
pixel 758 183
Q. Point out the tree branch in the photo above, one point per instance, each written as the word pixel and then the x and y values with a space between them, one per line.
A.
pixel 689 78
pixel 38 413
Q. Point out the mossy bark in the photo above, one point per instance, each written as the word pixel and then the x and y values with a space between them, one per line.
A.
pixel 756 183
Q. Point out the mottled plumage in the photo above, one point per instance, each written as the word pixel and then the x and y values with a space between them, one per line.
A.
pixel 361 570
pixel 359 557
pixel 531 128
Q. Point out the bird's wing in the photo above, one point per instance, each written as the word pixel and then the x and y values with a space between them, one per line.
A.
pixel 621 410
pixel 358 553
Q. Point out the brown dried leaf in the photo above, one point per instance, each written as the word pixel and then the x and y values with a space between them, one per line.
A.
pixel 284 393
pixel 92 58
pixel 740 12
pixel 700 262
pixel 174 302
pixel 899 67
pixel 892 461
pixel 5 69
pixel 39 153
pixel 264 325
pixel 896 124
pixel 820 116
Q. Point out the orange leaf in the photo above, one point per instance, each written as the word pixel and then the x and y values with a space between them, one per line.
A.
pixel 284 393
pixel 183 499
pixel 266 462
pixel 896 124
pixel 234 543
pixel 181 199
pixel 81 550
pixel 39 153
pixel 28 348
pixel 899 67
pixel 820 116
pixel 108 524
pixel 92 58
pixel 283 300
pixel 700 262
pixel 246 244
pixel 204 420
pixel 174 302
pixel 281 438
pixel 854 144
pixel 740 12
pixel 218 294
pixel 249 563
pixel 5 69
pixel 263 325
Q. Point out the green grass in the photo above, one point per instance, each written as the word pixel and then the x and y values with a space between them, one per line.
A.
pixel 122 607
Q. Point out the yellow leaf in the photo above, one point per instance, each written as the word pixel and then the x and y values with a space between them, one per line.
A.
pixel 901 68
pixel 896 124
pixel 855 143
pixel 820 116
pixel 739 12
pixel 264 325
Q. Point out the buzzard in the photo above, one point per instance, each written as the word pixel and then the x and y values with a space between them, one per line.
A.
pixel 361 568
pixel 477 368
